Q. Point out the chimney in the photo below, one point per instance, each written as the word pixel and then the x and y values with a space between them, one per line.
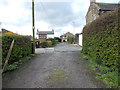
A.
pixel 37 30
pixel 92 1
pixel 52 30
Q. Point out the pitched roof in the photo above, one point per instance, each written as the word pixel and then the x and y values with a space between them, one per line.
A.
pixel 5 31
pixel 68 33
pixel 45 32
pixel 108 6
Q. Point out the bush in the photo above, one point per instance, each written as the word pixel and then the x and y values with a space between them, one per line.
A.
pixel 70 39
pixel 49 44
pixel 0 49
pixel 16 64
pixel 43 43
pixel 22 47
pixel 111 78
pixel 101 41
pixel 54 42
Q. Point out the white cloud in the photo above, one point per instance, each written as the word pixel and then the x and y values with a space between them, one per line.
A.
pixel 15 16
pixel 10 27
pixel 24 30
pixel 13 13
pixel 42 26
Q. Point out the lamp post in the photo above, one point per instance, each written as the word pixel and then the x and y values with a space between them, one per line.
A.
pixel 33 26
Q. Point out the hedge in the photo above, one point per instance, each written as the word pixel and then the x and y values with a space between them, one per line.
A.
pixel 50 42
pixel 101 40
pixel 22 47
pixel 54 42
pixel 0 49
pixel 70 39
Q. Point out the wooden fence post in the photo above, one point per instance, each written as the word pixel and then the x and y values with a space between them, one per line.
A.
pixel 8 56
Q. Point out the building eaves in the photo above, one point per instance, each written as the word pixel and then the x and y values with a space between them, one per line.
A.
pixel 108 6
pixel 45 32
pixel 4 30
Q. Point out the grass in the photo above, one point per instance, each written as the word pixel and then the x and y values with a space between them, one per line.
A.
pixel 106 74
pixel 15 65
pixel 58 75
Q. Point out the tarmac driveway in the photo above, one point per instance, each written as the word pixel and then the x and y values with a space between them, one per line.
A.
pixel 59 67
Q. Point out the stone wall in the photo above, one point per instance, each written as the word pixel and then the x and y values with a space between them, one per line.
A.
pixel 93 13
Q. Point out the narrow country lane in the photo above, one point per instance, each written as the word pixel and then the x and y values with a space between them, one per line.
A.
pixel 59 67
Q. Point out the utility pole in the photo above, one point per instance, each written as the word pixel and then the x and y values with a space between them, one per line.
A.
pixel 33 26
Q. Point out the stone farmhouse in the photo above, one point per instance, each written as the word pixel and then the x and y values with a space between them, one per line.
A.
pixel 98 9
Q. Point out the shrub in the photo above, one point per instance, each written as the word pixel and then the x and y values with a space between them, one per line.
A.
pixel 70 39
pixel 22 47
pixel 0 49
pixel 15 65
pixel 101 39
pixel 54 42
pixel 49 43
pixel 43 43
pixel 101 42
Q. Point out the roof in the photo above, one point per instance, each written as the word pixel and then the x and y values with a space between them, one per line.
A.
pixel 45 32
pixel 105 6
pixel 108 6
pixel 5 31
pixel 68 33
pixel 78 33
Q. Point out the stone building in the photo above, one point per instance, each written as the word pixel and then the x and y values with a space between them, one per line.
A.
pixel 98 9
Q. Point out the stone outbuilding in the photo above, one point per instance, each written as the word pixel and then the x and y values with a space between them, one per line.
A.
pixel 97 9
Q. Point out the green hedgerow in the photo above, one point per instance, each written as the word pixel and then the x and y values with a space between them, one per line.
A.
pixel 101 43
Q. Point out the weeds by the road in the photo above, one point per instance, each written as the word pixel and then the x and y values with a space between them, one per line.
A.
pixel 58 75
pixel 15 65
pixel 104 73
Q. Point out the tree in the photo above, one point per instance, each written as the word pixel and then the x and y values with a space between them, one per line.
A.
pixel 70 39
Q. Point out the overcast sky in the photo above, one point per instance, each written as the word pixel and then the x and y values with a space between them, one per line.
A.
pixel 61 15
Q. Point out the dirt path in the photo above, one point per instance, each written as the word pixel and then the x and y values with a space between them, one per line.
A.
pixel 59 67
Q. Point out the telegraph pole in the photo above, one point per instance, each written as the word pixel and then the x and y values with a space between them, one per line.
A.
pixel 33 26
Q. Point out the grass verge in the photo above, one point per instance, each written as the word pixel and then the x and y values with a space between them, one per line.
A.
pixel 15 65
pixel 109 76
pixel 58 75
